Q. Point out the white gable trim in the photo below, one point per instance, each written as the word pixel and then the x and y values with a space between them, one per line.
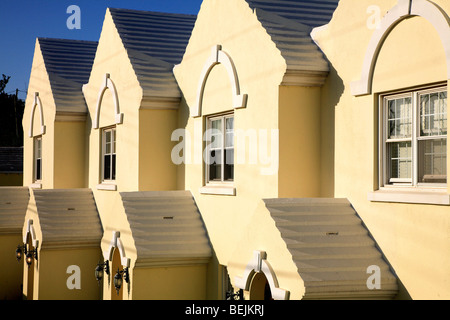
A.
pixel 116 242
pixel 259 263
pixel 30 230
pixel 108 84
pixel 404 9
pixel 37 103
pixel 220 57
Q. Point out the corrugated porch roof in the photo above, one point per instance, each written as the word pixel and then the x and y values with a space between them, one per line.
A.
pixel 332 248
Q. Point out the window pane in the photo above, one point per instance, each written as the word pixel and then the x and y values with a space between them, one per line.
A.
pixel 216 134
pixel 38 169
pixel 108 136
pixel 107 168
pixel 229 132
pixel 229 165
pixel 400 158
pixel 108 148
pixel 215 168
pixel 433 161
pixel 399 118
pixel 113 167
pixel 433 114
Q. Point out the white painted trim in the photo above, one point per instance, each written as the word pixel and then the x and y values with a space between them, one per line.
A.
pixel 259 263
pixel 116 242
pixel 220 57
pixel 30 230
pixel 108 84
pixel 225 190
pixel 37 102
pixel 418 196
pixel 404 9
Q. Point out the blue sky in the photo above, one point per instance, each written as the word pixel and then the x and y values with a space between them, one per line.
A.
pixel 23 21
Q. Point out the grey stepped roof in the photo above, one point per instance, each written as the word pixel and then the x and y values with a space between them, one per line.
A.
pixel 13 207
pixel 155 43
pixel 313 13
pixel 331 248
pixel 289 23
pixel 68 217
pixel 68 64
pixel 166 225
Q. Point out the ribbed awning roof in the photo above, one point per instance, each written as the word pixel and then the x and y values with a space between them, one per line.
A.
pixel 68 217
pixel 331 247
pixel 166 225
pixel 13 207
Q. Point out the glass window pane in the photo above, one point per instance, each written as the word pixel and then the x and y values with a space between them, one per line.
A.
pixel 108 148
pixel 107 168
pixel 113 167
pixel 108 136
pixel 399 118
pixel 433 161
pixel 38 169
pixel 229 165
pixel 229 132
pixel 433 114
pixel 215 167
pixel 400 158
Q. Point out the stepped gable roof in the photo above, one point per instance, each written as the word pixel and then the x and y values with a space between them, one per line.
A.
pixel 331 247
pixel 289 23
pixel 68 217
pixel 68 64
pixel 155 43
pixel 13 207
pixel 166 225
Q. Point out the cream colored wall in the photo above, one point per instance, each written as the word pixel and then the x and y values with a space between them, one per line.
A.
pixel 172 283
pixel 413 237
pixel 53 276
pixel 299 123
pixel 238 225
pixel 70 150
pixel 11 276
pixel 157 172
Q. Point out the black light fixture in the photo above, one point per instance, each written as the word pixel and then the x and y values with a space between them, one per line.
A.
pixel 118 278
pixel 21 250
pixel 230 295
pixel 29 254
pixel 99 270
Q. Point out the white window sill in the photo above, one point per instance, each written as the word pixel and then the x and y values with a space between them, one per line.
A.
pixel 107 186
pixel 36 185
pixel 411 195
pixel 219 189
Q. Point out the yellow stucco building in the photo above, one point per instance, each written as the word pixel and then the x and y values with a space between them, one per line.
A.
pixel 280 150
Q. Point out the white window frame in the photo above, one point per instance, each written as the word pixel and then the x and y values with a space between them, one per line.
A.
pixel 220 187
pixel 412 191
pixel 415 138
pixel 37 155
pixel 108 184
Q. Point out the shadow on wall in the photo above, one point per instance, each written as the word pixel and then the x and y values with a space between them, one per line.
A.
pixel 331 95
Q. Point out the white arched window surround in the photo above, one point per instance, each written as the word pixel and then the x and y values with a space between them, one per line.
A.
pixel 259 263
pixel 218 56
pixel 108 84
pixel 116 242
pixel 37 103
pixel 404 9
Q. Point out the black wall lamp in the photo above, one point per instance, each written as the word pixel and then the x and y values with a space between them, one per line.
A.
pixel 99 271
pixel 29 254
pixel 118 281
pixel 230 295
